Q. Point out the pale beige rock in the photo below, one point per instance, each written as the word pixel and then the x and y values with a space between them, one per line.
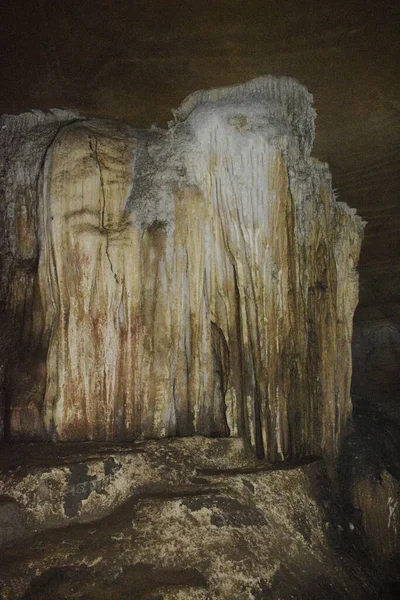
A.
pixel 196 280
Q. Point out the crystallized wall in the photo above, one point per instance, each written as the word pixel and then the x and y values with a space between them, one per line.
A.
pixel 199 280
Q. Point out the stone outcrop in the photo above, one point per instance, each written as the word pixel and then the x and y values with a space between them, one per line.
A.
pixel 198 280
pixel 183 519
pixel 78 483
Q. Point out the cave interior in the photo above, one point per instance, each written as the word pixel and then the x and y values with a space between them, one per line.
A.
pixel 236 500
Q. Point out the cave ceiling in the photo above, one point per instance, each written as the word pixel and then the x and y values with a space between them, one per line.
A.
pixel 136 60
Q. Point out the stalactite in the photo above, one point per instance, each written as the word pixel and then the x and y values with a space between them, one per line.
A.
pixel 198 280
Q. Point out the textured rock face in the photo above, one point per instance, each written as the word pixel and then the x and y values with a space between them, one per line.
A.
pixel 378 502
pixel 195 280
pixel 77 483
pixel 186 519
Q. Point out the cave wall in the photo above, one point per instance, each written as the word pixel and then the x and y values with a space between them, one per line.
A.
pixel 199 279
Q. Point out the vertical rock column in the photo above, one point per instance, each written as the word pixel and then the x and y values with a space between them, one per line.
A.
pixel 198 280
pixel 285 281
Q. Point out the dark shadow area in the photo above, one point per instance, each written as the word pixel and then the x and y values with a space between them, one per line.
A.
pixel 369 470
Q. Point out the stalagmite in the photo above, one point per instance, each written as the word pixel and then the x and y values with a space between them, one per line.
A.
pixel 198 280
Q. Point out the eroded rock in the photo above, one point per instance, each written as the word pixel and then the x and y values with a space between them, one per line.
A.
pixel 199 280
pixel 207 532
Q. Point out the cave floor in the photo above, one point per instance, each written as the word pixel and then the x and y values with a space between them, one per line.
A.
pixel 177 519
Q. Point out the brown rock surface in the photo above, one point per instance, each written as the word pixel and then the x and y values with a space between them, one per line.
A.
pixel 200 522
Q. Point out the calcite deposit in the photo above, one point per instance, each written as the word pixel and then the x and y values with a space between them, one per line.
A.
pixel 195 280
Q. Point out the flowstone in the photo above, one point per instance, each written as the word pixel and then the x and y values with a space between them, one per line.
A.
pixel 197 280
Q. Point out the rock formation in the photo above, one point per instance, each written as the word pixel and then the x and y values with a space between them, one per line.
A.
pixel 198 280
pixel 178 519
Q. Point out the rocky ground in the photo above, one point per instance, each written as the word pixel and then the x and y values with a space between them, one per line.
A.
pixel 189 519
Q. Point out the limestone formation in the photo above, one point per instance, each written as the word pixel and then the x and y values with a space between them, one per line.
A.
pixel 198 280
pixel 178 519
